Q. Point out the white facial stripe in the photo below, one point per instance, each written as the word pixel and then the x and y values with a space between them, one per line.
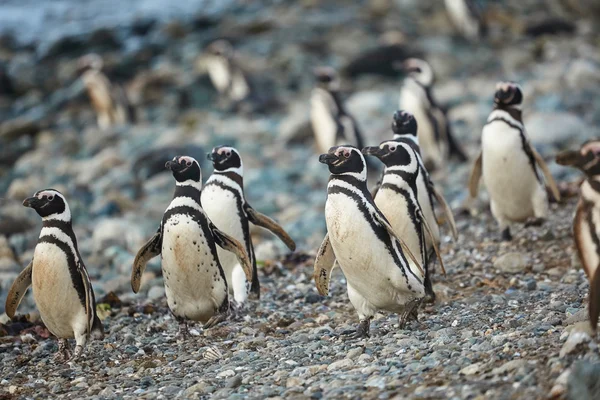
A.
pixel 225 150
pixel 189 182
pixel 60 235
pixel 187 159
pixel 593 147
pixel 185 202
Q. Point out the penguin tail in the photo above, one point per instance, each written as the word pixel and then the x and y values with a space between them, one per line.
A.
pixel 97 331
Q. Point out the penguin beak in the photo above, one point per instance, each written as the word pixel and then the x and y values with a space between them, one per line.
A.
pixel 215 157
pixel 31 202
pixel 373 151
pixel 328 158
pixel 568 158
pixel 174 166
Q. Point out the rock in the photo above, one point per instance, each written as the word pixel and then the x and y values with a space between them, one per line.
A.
pixel 226 374
pixel 15 128
pixel 376 382
pixel 472 369
pixel 294 382
pixel 156 292
pixel 560 384
pixel 509 367
pixel 556 128
pixel 576 340
pixel 512 262
pixel 340 364
pixel 579 316
pixel 234 382
pixel 584 381
pixel 200 388
pixel 582 73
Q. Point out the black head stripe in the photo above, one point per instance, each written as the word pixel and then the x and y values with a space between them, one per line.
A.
pixel 508 94
pixel 223 160
pixel 404 123
pixel 354 161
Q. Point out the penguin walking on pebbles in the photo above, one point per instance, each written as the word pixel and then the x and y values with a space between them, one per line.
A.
pixel 110 101
pixel 509 165
pixel 374 260
pixel 586 225
pixel 435 136
pixel 195 283
pixel 61 286
pixel 466 18
pixel 331 123
pixel 398 200
pixel 224 202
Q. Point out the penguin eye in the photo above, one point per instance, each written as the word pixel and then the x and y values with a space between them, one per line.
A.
pixel 50 198
pixel 228 153
pixel 188 163
pixel 346 153
pixel 392 148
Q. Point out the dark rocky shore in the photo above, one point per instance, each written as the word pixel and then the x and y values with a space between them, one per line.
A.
pixel 507 320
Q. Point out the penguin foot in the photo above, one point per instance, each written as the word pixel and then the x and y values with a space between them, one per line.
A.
pixel 410 310
pixel 236 310
pixel 77 353
pixel 216 319
pixel 64 352
pixel 183 333
pixel 363 330
pixel 506 236
pixel 535 222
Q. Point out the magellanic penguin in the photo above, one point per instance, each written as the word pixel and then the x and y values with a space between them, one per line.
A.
pixel 466 18
pixel 61 286
pixel 109 100
pixel 510 165
pixel 416 96
pixel 331 123
pixel 224 72
pixel 195 283
pixel 373 259
pixel 586 226
pixel 398 200
pixel 224 202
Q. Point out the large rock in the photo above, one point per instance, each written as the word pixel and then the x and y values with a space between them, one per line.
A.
pixel 557 128
pixel 512 262
pixel 584 381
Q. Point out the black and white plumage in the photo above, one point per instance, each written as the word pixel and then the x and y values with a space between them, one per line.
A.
pixel 374 260
pixel 109 100
pixel 398 200
pixel 332 124
pixel 225 73
pixel 586 225
pixel 61 286
pixel 509 164
pixel 224 202
pixel 466 18
pixel 195 283
pixel 435 136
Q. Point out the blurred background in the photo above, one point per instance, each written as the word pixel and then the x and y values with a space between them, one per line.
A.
pixel 61 60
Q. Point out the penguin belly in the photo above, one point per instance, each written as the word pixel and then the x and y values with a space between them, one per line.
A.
pixel 218 72
pixel 508 173
pixel 413 103
pixel 365 260
pixel 222 208
pixel 395 208
pixel 587 229
pixel 54 293
pixel 194 286
pixel 323 124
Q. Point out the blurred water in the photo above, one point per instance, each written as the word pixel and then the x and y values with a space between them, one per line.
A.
pixel 47 20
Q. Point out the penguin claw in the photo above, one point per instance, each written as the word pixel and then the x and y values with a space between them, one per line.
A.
pixel 216 319
pixel 363 330
pixel 535 222
pixel 411 310
pixel 64 353
pixel 506 236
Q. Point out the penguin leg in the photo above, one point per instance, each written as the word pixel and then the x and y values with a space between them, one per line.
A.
pixel 365 312
pixel 409 310
pixel 540 207
pixel 535 222
pixel 64 351
pixel 80 340
pixel 502 223
pixel 183 332
pixel 363 330
pixel 222 314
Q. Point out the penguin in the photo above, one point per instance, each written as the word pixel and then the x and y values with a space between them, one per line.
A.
pixel 373 259
pixel 398 200
pixel 466 18
pixel 195 283
pixel 109 100
pixel 224 202
pixel 510 165
pixel 61 285
pixel 331 123
pixel 586 224
pixel 224 72
pixel 435 135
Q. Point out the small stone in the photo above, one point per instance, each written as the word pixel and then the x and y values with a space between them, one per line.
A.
pixel 512 262
pixel 584 381
pixel 538 267
pixel 355 352
pixel 294 382
pixel 509 366
pixel 234 382
pixel 576 338
pixel 376 382
pixel 530 284
pixel 226 374
pixel 579 316
pixel 200 387
pixel 341 364
pixel 472 369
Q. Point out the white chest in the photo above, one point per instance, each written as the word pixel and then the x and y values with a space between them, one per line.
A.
pixel 322 120
pixel 219 73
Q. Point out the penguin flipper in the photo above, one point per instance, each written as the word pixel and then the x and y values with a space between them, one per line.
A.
pixel 17 290
pixel 549 179
pixel 594 300
pixel 263 221
pixel 150 250
pixel 230 244
pixel 447 211
pixel 475 175
pixel 433 243
pixel 324 264
pixel 90 311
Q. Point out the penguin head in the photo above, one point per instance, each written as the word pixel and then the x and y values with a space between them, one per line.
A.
pixel 220 48
pixel 88 62
pixel 404 123
pixel 327 78
pixel 419 70
pixel 392 153
pixel 586 159
pixel 345 160
pixel 185 168
pixel 49 204
pixel 226 158
pixel 508 94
